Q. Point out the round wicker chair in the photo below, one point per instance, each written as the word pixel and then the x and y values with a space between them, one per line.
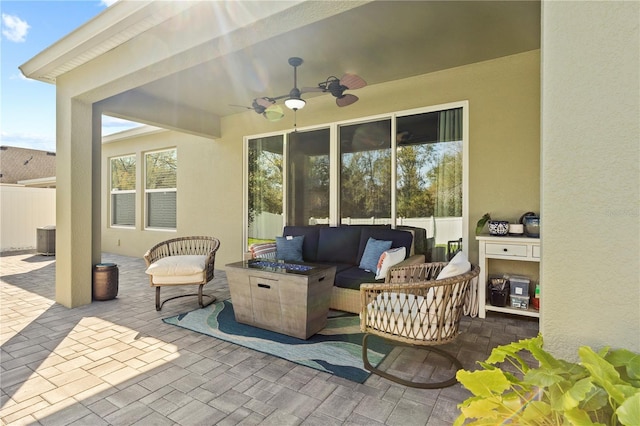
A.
pixel 198 252
pixel 415 309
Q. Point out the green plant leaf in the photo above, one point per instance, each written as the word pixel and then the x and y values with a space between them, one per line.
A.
pixel 628 360
pixel 542 377
pixel 483 220
pixel 536 411
pixel 595 400
pixel 602 372
pixel 479 408
pixel 501 353
pixel 629 411
pixel 484 383
pixel 579 417
pixel 576 393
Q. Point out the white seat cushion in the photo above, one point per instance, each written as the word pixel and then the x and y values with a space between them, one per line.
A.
pixel 178 279
pixel 173 266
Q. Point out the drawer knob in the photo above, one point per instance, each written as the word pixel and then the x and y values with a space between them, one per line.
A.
pixel 263 285
pixel 504 249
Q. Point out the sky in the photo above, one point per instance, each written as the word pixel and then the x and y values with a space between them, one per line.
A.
pixel 28 107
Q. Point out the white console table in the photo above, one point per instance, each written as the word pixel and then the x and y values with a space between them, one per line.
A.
pixel 517 249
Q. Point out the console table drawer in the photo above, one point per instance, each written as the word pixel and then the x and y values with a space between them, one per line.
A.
pixel 536 252
pixel 518 250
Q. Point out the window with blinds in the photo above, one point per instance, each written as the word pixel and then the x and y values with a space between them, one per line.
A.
pixel 161 189
pixel 123 191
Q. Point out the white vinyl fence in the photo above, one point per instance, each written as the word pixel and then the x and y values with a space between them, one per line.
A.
pixel 22 211
pixel 269 225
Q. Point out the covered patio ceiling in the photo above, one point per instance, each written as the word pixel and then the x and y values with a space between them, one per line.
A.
pixel 249 44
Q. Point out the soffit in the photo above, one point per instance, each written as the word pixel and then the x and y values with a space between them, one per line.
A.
pixel 381 41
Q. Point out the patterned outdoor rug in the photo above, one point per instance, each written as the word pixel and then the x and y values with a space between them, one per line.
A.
pixel 337 349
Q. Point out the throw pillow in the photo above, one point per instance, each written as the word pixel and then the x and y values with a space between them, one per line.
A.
pixel 457 266
pixel 262 250
pixel 289 248
pixel 388 259
pixel 372 253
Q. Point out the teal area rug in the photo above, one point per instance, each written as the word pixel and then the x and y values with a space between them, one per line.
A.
pixel 337 349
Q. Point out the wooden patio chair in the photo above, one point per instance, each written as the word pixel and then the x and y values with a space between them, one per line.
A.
pixel 416 309
pixel 182 261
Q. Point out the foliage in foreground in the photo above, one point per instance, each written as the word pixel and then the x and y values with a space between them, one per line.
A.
pixel 602 389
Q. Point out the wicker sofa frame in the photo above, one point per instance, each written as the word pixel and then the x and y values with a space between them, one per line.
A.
pixel 192 245
pixel 423 312
pixel 342 299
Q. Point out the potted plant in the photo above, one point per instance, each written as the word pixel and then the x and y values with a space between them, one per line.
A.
pixel 602 389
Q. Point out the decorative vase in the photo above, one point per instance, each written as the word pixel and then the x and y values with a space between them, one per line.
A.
pixel 498 227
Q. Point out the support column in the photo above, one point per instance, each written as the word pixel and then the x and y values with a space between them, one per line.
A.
pixel 77 241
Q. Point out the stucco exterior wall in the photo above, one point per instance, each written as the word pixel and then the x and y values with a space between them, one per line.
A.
pixel 590 175
pixel 504 117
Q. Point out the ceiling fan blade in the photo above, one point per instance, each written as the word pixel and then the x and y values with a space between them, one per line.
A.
pixel 346 100
pixel 264 102
pixel 352 81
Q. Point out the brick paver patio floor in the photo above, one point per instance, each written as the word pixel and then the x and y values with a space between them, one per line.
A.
pixel 116 363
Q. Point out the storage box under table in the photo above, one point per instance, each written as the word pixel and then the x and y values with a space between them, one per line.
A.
pixel 519 285
pixel 287 301
pixel 520 302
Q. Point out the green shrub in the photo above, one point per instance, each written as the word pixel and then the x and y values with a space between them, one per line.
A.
pixel 602 389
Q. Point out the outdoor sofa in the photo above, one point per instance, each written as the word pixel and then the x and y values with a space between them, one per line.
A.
pixel 345 247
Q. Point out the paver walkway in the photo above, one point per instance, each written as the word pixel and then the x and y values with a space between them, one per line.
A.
pixel 116 363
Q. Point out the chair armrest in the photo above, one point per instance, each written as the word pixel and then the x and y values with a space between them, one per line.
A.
pixel 263 250
pixel 416 259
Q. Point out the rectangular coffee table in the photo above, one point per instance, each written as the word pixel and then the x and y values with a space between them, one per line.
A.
pixel 286 297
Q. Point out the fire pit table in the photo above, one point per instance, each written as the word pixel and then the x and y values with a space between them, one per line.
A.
pixel 291 298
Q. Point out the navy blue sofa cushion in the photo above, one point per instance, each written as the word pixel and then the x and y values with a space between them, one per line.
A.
pixel 397 238
pixel 311 236
pixel 352 277
pixel 339 244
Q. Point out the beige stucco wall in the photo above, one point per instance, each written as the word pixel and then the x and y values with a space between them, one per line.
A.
pixel 504 118
pixel 591 175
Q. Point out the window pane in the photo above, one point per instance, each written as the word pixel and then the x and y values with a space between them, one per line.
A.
pixel 265 168
pixel 365 173
pixel 429 175
pixel 123 209
pixel 308 178
pixel 161 209
pixel 123 178
pixel 123 173
pixel 161 169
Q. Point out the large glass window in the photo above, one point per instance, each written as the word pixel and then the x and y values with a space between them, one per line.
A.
pixel 406 169
pixel 365 172
pixel 429 175
pixel 308 178
pixel 123 191
pixel 264 189
pixel 161 171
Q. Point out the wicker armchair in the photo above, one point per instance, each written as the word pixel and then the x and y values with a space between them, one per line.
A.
pixel 182 261
pixel 415 309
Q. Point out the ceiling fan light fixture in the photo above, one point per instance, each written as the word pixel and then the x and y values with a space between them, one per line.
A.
pixel 295 103
pixel 273 113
